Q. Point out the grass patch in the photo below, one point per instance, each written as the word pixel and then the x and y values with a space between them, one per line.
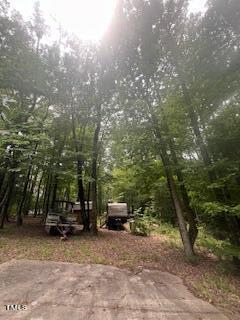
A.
pixel 2 243
pixel 221 248
pixel 216 287
pixel 221 283
pixel 165 229
pixel 150 257
pixel 100 260
pixel 45 251
pixel 125 256
pixel 174 243
pixel 85 249
pixel 193 260
pixel 203 290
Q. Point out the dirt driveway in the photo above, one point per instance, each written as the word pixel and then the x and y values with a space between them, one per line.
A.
pixel 46 290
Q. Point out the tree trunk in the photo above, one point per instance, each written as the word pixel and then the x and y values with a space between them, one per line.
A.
pixel 232 222
pixel 188 248
pixel 4 188
pixel 24 193
pixel 8 196
pixel 99 188
pixel 2 177
pixel 28 201
pixel 190 214
pixel 54 195
pixel 38 194
pixel 81 193
pixel 94 172
pixel 88 199
pixel 48 195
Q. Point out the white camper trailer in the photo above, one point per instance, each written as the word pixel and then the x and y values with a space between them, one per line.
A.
pixel 117 215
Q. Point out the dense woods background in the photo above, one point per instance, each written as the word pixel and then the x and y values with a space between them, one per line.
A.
pixel 149 116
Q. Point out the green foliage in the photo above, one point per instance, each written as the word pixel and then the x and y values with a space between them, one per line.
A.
pixel 221 248
pixel 140 227
pixel 218 209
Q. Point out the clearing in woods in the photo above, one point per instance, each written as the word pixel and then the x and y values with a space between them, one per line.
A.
pixel 208 279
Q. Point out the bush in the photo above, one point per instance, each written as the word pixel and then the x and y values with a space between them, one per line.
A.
pixel 140 227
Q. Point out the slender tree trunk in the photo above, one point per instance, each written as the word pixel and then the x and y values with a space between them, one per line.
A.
pixel 24 193
pixel 4 215
pixel 88 199
pixel 191 215
pixel 94 172
pixel 188 248
pixel 7 200
pixel 48 195
pixel 54 196
pixel 99 188
pixel 28 201
pixel 81 193
pixel 4 188
pixel 2 176
pixel 38 194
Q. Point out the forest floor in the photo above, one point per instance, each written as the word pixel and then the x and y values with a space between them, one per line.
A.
pixel 209 278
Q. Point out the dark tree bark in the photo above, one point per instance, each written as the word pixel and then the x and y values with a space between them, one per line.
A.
pixel 79 160
pixel 24 194
pixel 54 193
pixel 38 194
pixel 7 199
pixel 47 191
pixel 2 176
pixel 94 172
pixel 48 195
pixel 4 188
pixel 30 193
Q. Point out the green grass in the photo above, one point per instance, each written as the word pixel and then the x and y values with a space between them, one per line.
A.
pixel 45 251
pixel 221 248
pixel 2 243
pixel 166 229
pixel 213 287
pixel 100 260
pixel 203 290
pixel 86 250
pixel 220 283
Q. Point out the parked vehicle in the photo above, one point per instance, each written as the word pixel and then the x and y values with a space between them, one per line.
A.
pixel 62 219
pixel 117 215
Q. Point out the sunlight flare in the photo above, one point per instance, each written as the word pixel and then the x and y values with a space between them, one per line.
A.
pixel 88 19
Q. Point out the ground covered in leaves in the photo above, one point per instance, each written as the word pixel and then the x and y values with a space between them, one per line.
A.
pixel 209 277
